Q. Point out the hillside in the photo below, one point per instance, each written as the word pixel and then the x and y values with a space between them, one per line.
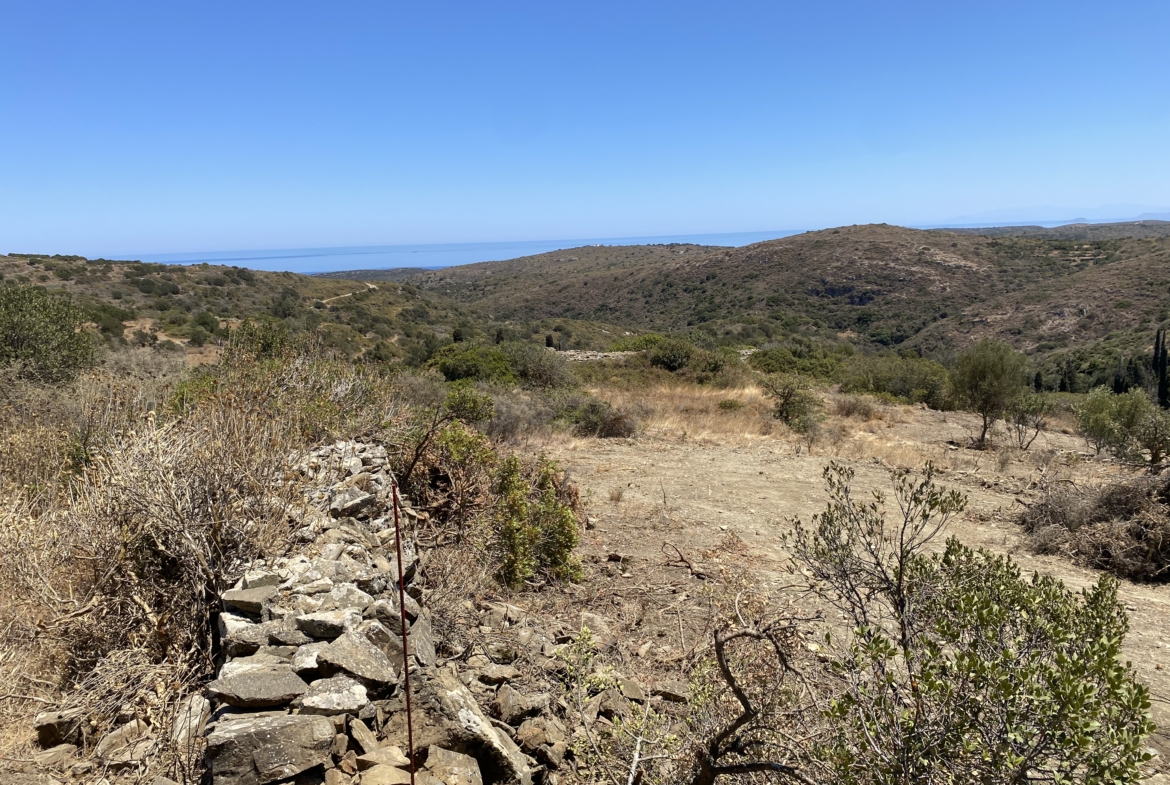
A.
pixel 1078 232
pixel 877 285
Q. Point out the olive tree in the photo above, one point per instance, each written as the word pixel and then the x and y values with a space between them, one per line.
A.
pixel 987 379
pixel 42 334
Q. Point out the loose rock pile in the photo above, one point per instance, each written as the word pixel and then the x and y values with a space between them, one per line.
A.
pixel 312 687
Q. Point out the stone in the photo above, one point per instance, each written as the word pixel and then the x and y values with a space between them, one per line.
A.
pixel 335 777
pixel 385 775
pixel 348 595
pixel 59 727
pixel 452 768
pixel 354 654
pixel 241 636
pixel 55 757
pixel 631 689
pixel 498 674
pixel 125 744
pixel 249 751
pixel 249 600
pixel 672 691
pixel 329 624
pixel 262 686
pixel 446 715
pixel 351 502
pixel 383 756
pixel 512 706
pixel 348 762
pixel 285 637
pixel 352 465
pixel 340 744
pixel 190 719
pixel 421 639
pixel 378 634
pixel 538 732
pixel 257 579
pixel 252 662
pixel 365 738
pixel 304 662
pixel 338 695
pixel 596 624
pixel 163 781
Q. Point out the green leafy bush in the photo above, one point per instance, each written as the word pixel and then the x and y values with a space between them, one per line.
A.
pixel 533 531
pixel 910 380
pixel 637 343
pixel 481 363
pixel 536 367
pixel 801 356
pixel 792 402
pixel 41 334
pixel 987 379
pixel 601 419
pixel 1129 425
pixel 673 354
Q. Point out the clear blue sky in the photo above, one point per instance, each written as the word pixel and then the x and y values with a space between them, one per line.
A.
pixel 171 126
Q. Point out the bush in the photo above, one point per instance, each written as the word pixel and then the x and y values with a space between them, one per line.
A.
pixel 637 343
pixel 1122 528
pixel 854 406
pixel 673 354
pixel 601 419
pixel 537 368
pixel 908 379
pixel 1129 425
pixel 793 404
pixel 801 356
pixel 41 334
pixel 481 363
pixel 533 531
pixel 730 405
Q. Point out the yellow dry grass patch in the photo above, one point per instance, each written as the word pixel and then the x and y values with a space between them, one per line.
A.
pixel 693 412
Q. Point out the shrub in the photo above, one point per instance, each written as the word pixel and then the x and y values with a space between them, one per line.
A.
pixel 854 406
pixel 481 363
pixel 41 334
pixel 1123 528
pixel 1129 425
pixel 537 368
pixel 533 531
pixel 800 356
pixel 908 379
pixel 673 354
pixel 1027 417
pixel 601 419
pixel 793 404
pixel 637 343
pixel 987 379
pixel 730 405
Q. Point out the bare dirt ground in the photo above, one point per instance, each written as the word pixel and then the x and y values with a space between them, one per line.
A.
pixel 723 485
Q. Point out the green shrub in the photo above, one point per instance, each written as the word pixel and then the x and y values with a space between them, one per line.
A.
pixel 909 380
pixel 730 405
pixel 537 368
pixel 481 363
pixel 533 532
pixel 802 356
pixel 673 354
pixel 41 334
pixel 637 343
pixel 1129 425
pixel 601 419
pixel 793 404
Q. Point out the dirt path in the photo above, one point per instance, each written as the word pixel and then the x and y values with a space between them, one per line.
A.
pixel 369 287
pixel 694 494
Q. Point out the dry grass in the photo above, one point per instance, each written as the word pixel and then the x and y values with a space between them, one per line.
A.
pixel 696 412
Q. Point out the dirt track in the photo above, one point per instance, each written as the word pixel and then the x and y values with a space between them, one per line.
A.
pixel 699 491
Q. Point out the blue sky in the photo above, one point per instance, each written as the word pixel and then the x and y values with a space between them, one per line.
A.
pixel 182 127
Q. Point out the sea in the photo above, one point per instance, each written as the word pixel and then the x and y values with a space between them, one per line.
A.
pixel 432 256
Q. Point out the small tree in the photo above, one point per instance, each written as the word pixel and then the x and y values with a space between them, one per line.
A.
pixel 41 334
pixel 793 404
pixel 1028 417
pixel 987 379
pixel 1095 419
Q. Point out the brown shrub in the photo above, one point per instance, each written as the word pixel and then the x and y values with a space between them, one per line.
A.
pixel 856 406
pixel 1123 528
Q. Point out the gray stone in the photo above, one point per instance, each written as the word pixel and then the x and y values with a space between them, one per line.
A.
pixel 338 695
pixel 252 662
pixel 59 727
pixel 329 624
pixel 240 636
pixel 354 654
pixel 126 744
pixel 351 502
pixel 348 595
pixel 498 674
pixel 163 781
pixel 256 579
pixel 383 756
pixel 596 624
pixel 249 600
pixel 190 719
pixel 385 775
pixel 304 662
pixel 673 691
pixel 292 637
pixel 538 732
pixel 250 751
pixel 421 639
pixel 447 715
pixel 365 738
pixel 453 768
pixel 512 706
pixel 55 757
pixel 385 639
pixel 631 689
pixel 258 687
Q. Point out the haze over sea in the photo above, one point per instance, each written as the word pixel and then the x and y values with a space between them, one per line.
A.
pixel 380 257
